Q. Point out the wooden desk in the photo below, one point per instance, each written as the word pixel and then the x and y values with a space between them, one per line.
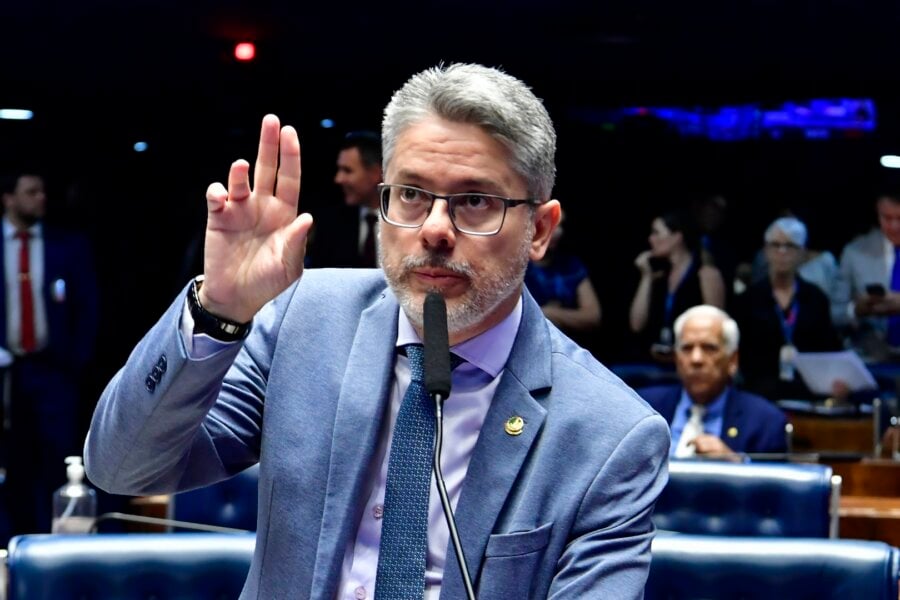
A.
pixel 816 433
pixel 870 518
pixel 869 477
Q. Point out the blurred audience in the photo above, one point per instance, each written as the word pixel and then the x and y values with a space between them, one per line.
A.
pixel 50 325
pixel 717 243
pixel 782 315
pixel 707 414
pixel 672 279
pixel 560 284
pixel 871 277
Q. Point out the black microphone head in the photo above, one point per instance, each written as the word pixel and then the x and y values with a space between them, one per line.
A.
pixel 437 345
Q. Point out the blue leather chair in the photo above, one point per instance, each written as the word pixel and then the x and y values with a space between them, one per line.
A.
pixel 130 566
pixel 749 499
pixel 694 566
pixel 229 503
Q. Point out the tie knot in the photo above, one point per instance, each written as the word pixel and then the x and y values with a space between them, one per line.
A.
pixel 416 355
pixel 371 218
pixel 23 235
pixel 698 411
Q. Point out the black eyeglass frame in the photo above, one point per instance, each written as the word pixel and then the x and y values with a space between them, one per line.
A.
pixel 384 197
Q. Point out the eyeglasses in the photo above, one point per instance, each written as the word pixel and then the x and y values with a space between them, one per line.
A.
pixel 782 246
pixel 473 214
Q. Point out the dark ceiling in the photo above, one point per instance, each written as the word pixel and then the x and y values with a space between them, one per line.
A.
pixel 158 55
pixel 101 74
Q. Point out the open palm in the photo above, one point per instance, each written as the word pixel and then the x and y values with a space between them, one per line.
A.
pixel 255 241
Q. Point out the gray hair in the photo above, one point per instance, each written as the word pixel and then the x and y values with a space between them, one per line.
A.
pixel 792 227
pixel 731 334
pixel 501 104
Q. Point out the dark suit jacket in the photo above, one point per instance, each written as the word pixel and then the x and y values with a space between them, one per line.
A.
pixel 762 338
pixel 757 425
pixel 335 241
pixel 71 317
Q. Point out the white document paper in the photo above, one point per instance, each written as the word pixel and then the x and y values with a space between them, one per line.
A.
pixel 821 369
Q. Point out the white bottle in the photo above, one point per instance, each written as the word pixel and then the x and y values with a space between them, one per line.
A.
pixel 74 504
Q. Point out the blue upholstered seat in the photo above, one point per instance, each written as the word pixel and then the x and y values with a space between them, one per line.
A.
pixel 132 566
pixel 765 499
pixel 711 567
pixel 229 503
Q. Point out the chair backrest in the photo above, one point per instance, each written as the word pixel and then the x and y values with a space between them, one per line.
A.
pixel 711 567
pixel 129 566
pixel 752 499
pixel 229 503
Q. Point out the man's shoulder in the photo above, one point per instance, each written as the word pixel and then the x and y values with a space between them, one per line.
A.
pixel 340 285
pixel 871 242
pixel 755 402
pixel 580 380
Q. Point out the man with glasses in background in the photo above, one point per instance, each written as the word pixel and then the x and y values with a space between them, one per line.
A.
pixel 552 464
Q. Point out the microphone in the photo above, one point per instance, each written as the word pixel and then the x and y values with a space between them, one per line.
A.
pixel 437 346
pixel 437 383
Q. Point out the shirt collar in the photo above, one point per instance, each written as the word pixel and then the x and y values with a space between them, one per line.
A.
pixel 488 351
pixel 9 230
pixel 714 409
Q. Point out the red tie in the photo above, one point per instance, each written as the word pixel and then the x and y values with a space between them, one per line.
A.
pixel 26 300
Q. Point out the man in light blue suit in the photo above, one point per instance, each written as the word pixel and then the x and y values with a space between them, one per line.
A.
pixel 552 464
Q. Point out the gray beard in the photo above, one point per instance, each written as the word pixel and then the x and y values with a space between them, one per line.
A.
pixel 483 296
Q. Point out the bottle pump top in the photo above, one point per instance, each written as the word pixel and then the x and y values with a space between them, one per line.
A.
pixel 75 470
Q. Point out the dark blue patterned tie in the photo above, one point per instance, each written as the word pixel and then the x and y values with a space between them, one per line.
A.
pixel 404 530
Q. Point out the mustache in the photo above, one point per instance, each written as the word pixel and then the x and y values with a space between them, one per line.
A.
pixel 437 260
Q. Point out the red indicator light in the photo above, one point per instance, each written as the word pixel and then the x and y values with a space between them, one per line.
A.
pixel 245 51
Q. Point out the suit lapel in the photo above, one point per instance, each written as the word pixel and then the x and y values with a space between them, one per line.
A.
pixel 358 421
pixel 498 456
pixel 733 418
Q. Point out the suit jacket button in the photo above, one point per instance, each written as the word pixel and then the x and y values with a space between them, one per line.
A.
pixel 150 384
pixel 162 363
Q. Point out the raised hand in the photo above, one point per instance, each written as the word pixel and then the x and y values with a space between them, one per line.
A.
pixel 255 242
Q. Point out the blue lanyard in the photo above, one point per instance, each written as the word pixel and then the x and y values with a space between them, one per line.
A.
pixel 788 319
pixel 670 296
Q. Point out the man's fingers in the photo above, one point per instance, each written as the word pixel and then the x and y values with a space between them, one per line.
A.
pixel 287 189
pixel 239 181
pixel 216 196
pixel 295 236
pixel 267 157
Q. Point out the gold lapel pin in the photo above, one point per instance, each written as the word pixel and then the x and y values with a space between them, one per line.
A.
pixel 514 425
pixel 732 432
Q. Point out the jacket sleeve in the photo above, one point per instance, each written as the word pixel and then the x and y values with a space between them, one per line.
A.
pixel 167 423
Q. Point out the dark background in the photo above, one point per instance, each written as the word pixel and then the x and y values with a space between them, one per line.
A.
pixel 101 75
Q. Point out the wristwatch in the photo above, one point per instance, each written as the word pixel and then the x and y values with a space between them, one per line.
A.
pixel 208 323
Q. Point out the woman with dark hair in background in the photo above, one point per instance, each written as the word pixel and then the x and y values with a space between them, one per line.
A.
pixel 673 279
pixel 560 284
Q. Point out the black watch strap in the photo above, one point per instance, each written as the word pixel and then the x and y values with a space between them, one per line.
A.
pixel 208 323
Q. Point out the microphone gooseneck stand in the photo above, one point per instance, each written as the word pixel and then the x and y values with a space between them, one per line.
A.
pixel 437 382
pixel 442 492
